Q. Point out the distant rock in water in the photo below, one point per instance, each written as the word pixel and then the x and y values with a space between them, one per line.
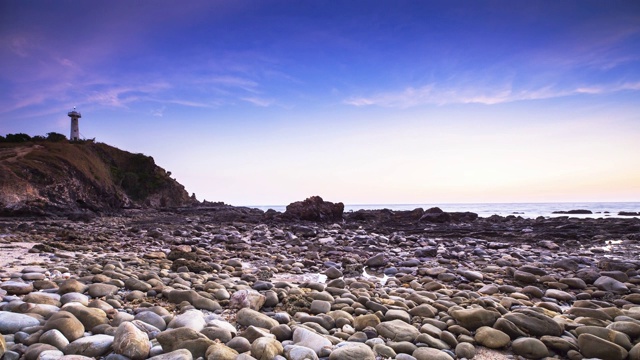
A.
pixel 628 213
pixel 62 178
pixel 574 212
pixel 315 209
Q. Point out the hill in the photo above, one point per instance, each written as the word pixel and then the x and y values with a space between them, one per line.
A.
pixel 53 177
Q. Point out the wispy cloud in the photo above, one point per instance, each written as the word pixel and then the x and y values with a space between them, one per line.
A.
pixel 433 94
pixel 258 101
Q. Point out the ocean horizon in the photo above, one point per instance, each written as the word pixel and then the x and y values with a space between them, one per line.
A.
pixel 525 210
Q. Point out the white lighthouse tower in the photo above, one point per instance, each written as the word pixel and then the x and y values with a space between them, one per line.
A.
pixel 75 130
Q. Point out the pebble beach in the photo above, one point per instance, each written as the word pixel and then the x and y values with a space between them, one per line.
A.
pixel 376 285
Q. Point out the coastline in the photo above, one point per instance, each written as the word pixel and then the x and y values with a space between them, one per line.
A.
pixel 447 283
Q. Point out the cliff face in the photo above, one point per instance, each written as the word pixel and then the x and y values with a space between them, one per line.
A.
pixel 61 177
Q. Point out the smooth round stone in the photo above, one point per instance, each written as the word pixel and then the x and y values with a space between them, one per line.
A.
pixel 180 354
pixel 560 344
pixel 88 316
pixel 559 295
pixel 55 338
pixel 397 314
pixel 295 352
pixel 249 317
pixel 384 351
pixel 491 338
pixel 607 334
pixel 220 351
pixel 71 286
pixel 425 353
pixel 282 332
pixel 239 344
pixel 628 327
pixel 606 283
pixel 33 269
pixel 530 348
pixel 33 276
pixel 465 350
pixel 11 323
pixel 349 351
pixel 310 339
pixel 574 283
pixel 16 288
pixel 534 323
pixel 320 307
pixel 397 330
pixel 266 348
pixel 424 310
pixel 474 318
pixel 74 297
pixel 363 321
pixel 100 290
pixel 129 341
pixel 333 273
pixel 33 351
pixel 91 346
pixel 592 346
pixel 151 318
pixel 67 324
pixel 193 319
pixel 489 289
pixel 50 355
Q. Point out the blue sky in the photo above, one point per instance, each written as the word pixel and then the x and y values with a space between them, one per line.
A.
pixel 269 102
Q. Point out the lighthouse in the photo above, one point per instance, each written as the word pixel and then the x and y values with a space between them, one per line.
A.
pixel 75 130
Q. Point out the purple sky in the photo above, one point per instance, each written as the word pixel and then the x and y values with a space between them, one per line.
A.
pixel 268 102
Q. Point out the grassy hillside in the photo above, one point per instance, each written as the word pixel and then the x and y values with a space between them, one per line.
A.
pixel 63 175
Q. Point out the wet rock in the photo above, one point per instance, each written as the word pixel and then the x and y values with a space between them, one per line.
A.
pixel 16 287
pixel 67 324
pixel 465 350
pixel 606 283
pixel 55 338
pixel 34 351
pixel 425 353
pixel 534 323
pixel 377 260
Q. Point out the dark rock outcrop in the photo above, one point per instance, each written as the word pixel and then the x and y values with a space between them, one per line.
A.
pixel 315 209
pixel 574 212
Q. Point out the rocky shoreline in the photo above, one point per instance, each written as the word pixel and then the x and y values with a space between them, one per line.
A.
pixel 235 283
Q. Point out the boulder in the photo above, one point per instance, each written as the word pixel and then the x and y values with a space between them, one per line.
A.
pixel 315 209
pixel 131 342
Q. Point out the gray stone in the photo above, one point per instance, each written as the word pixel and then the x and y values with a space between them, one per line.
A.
pixel 265 348
pixel 491 338
pixel 534 323
pixel 295 352
pixel 606 283
pixel 248 317
pixel 180 354
pixel 425 353
pixel 55 338
pixel 465 350
pixel 101 290
pixel 310 339
pixel 220 351
pixel 473 318
pixel 91 346
pixel 13 322
pixel 397 330
pixel 193 319
pixel 592 346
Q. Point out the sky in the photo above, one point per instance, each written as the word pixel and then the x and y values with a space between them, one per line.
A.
pixel 362 102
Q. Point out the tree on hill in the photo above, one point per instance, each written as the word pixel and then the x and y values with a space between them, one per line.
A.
pixel 55 137
pixel 2 139
pixel 17 138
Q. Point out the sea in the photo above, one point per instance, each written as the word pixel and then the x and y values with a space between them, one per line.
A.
pixel 525 210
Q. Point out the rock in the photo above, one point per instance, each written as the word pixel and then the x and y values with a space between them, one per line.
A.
pixel 465 350
pixel 473 318
pixel 363 321
pixel 193 319
pixel 247 298
pixel 632 329
pixel 491 338
pixel 424 310
pixel 239 344
pixel 397 330
pixel 180 354
pixel 248 317
pixel 220 351
pixel 100 290
pixel 11 323
pixel 606 283
pixel 320 307
pixel 53 355
pixel 295 352
pixel 16 287
pixel 352 350
pixel 129 341
pixel 315 209
pixel 530 348
pixel 34 351
pixel 333 273
pixel 67 324
pixel 91 346
pixel 151 318
pixel 55 338
pixel 534 323
pixel 265 348
pixel 592 346
pixel 384 351
pixel 377 260
pixel 71 286
pixel 425 353
pixel 310 339
pixel 89 317
pixel 607 334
